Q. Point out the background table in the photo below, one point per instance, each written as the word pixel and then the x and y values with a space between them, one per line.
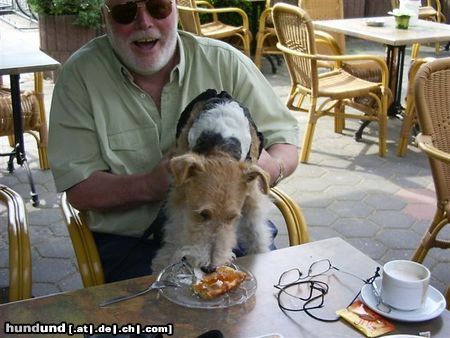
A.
pixel 14 63
pixel 395 39
pixel 259 316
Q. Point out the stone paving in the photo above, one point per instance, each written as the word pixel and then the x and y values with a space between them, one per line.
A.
pixel 382 206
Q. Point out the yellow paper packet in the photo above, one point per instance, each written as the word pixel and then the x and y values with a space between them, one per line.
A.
pixel 365 320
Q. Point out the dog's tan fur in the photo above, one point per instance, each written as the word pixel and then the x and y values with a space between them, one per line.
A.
pixel 214 199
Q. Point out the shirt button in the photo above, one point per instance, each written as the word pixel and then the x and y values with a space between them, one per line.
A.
pixel 143 95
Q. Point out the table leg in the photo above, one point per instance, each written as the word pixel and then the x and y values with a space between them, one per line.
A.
pixel 396 53
pixel 19 146
pixel 395 60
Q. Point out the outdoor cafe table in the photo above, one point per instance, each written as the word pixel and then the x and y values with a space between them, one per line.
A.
pixel 395 39
pixel 14 62
pixel 259 316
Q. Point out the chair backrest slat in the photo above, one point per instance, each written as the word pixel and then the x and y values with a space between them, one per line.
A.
pixel 326 10
pixel 432 99
pixel 189 20
pixel 295 31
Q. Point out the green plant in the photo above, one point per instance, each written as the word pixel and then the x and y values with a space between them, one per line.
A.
pixel 87 11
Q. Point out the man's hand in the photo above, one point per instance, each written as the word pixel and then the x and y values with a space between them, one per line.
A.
pixel 279 157
pixel 104 190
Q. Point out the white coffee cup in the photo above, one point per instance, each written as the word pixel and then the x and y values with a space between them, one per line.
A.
pixel 404 284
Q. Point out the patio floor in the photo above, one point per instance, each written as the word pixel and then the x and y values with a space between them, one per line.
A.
pixel 382 206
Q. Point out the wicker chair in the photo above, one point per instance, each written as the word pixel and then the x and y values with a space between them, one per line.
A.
pixel 19 246
pixel 266 38
pixel 88 259
pixel 337 87
pixel 432 102
pixel 410 116
pixel 33 117
pixel 189 14
pixel 364 69
pixel 431 10
pixel 447 296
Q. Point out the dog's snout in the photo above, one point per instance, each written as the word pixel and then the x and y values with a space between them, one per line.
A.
pixel 208 269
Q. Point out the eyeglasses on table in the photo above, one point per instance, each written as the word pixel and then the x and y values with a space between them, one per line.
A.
pixel 298 291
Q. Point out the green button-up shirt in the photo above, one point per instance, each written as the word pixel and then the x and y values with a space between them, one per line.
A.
pixel 100 120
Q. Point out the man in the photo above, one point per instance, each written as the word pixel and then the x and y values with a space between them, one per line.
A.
pixel 113 120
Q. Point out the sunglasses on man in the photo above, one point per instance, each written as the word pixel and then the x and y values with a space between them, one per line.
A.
pixel 126 13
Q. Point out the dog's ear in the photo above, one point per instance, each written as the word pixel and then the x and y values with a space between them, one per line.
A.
pixel 253 172
pixel 185 166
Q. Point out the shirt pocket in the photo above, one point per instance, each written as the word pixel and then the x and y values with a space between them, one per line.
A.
pixel 135 150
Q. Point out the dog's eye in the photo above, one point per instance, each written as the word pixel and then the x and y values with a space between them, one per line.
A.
pixel 205 215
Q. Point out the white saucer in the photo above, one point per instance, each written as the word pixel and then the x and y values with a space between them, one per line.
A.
pixel 401 336
pixel 374 22
pixel 433 307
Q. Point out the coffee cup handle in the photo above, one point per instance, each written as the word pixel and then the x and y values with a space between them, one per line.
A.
pixel 380 305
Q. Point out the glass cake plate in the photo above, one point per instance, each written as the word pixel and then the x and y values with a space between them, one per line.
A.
pixel 184 275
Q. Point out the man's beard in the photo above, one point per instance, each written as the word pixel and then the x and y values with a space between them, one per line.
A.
pixel 144 65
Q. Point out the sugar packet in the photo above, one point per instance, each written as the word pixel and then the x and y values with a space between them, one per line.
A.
pixel 365 320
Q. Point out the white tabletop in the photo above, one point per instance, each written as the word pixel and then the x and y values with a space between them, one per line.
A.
pixel 30 61
pixel 422 32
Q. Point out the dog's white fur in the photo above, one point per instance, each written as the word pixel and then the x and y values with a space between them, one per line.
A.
pixel 226 119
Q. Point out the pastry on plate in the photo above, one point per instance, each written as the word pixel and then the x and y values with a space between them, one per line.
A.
pixel 219 282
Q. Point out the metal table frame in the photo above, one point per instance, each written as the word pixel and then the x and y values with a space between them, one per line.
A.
pixel 14 63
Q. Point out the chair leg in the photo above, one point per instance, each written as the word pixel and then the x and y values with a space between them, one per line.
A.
pixel 43 156
pixel 437 48
pixel 309 132
pixel 405 131
pixel 43 132
pixel 429 238
pixel 11 141
pixel 247 45
pixel 339 119
pixel 415 48
pixel 291 97
pixel 382 123
pixel 307 142
pixel 258 51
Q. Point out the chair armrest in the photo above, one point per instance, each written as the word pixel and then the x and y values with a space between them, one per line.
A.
pixel 327 39
pixel 263 19
pixel 209 5
pixel 340 58
pixel 89 262
pixel 426 145
pixel 220 11
pixel 293 216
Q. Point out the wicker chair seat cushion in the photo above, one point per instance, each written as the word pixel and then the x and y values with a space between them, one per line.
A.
pixel 370 71
pixel 427 12
pixel 341 85
pixel 30 112
pixel 367 70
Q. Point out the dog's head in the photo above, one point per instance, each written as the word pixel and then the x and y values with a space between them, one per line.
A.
pixel 217 122
pixel 211 191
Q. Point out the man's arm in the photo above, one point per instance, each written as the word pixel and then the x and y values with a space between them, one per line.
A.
pixel 279 154
pixel 104 190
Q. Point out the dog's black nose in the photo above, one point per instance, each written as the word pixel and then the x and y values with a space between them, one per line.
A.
pixel 208 269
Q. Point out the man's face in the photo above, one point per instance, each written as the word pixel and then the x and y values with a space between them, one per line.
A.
pixel 146 44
